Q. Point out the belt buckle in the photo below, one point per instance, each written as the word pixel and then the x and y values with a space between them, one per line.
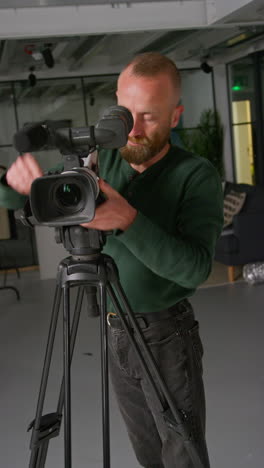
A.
pixel 109 315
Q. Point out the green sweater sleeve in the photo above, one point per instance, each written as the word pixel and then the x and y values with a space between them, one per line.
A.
pixel 13 200
pixel 185 255
pixel 9 198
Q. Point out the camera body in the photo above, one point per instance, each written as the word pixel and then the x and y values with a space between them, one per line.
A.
pixel 70 197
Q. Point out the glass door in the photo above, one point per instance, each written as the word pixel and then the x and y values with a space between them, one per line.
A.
pixel 246 83
pixel 241 80
pixel 243 141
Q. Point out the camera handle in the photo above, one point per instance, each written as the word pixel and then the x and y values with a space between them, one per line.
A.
pixel 101 272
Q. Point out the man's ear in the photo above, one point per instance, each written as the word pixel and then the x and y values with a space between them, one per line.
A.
pixel 176 115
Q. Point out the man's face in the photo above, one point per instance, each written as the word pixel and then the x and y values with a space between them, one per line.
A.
pixel 153 104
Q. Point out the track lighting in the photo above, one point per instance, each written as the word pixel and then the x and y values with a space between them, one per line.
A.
pixel 32 79
pixel 206 68
pixel 47 55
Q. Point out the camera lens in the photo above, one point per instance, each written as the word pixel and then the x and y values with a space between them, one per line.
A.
pixel 68 195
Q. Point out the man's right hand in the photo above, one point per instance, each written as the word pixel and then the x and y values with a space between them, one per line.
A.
pixel 22 173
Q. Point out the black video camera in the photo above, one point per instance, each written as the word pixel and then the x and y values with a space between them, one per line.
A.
pixel 70 197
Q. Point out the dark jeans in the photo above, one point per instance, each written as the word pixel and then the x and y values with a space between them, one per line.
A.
pixel 176 346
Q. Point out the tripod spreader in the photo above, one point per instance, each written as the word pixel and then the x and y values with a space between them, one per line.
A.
pixel 49 427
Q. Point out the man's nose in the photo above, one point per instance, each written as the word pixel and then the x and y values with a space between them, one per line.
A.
pixel 137 129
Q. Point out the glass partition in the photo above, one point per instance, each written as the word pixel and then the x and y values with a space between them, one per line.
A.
pixel 7 114
pixel 99 94
pixel 197 96
pixel 57 99
pixel 242 92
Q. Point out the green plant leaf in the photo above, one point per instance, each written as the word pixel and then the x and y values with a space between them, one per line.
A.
pixel 207 139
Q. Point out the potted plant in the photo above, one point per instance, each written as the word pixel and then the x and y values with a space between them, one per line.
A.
pixel 207 139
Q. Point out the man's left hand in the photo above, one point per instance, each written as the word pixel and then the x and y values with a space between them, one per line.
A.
pixel 114 213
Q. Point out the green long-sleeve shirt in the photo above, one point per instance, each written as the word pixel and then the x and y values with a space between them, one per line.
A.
pixel 167 251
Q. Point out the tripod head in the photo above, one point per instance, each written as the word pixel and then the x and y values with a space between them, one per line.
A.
pixel 85 246
pixel 81 243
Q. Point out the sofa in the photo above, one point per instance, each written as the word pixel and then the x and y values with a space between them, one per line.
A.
pixel 242 239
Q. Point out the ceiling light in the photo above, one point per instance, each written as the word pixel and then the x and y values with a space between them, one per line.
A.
pixel 37 56
pixel 235 40
pixel 206 68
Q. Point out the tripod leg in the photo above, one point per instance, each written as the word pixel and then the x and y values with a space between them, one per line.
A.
pixel 105 376
pixel 53 421
pixel 75 324
pixel 67 376
pixel 38 431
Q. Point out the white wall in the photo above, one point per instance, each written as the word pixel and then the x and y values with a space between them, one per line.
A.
pixel 96 19
pixel 7 156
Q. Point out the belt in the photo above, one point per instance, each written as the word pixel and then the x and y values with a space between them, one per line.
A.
pixel 177 311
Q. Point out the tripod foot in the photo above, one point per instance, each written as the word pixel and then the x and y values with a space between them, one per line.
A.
pixel 13 289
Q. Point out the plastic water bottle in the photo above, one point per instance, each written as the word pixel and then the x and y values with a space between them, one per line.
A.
pixel 254 272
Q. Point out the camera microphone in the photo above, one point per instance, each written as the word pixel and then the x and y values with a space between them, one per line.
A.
pixel 31 138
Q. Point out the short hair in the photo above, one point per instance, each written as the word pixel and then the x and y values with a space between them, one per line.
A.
pixel 151 64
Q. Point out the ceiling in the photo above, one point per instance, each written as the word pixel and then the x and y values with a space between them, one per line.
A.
pixel 102 55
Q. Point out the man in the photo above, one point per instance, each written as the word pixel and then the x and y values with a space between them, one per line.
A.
pixel 165 207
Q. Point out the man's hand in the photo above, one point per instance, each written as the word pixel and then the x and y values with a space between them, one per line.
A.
pixel 22 173
pixel 114 213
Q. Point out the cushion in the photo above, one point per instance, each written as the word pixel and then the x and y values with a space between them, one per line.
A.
pixel 4 224
pixel 233 203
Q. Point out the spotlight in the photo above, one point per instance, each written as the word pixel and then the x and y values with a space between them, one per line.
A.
pixel 206 67
pixel 32 79
pixel 48 57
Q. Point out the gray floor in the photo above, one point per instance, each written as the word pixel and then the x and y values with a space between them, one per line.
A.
pixel 232 321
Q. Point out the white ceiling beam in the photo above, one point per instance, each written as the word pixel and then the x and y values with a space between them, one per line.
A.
pixel 97 19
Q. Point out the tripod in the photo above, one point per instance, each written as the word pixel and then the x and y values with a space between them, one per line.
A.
pixel 86 268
